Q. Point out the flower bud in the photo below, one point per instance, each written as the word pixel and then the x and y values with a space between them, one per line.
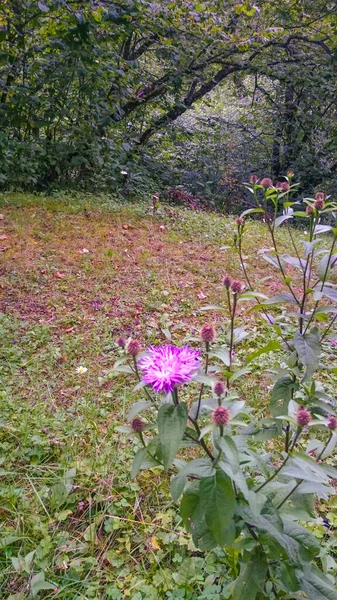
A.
pixel 320 196
pixel 133 347
pixel 319 203
pixel 303 417
pixel 309 210
pixel 253 179
pixel 227 281
pixel 120 342
pixel 290 173
pixel 137 425
pixel 207 334
pixel 332 423
pixel 283 185
pixel 237 287
pixel 221 416
pixel 266 182
pixel 219 388
pixel 240 221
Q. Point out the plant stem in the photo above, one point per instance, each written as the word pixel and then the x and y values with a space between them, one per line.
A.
pixel 202 385
pixel 282 465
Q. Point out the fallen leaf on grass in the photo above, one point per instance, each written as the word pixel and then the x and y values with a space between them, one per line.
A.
pixel 2 217
pixel 4 248
pixel 84 251
pixel 60 275
pixel 201 295
pixel 4 236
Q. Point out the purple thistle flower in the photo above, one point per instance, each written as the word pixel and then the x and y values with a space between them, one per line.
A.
pixel 332 423
pixel 303 417
pixel 164 367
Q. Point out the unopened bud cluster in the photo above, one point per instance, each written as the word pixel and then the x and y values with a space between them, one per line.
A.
pixel 221 416
pixel 208 334
pixel 303 417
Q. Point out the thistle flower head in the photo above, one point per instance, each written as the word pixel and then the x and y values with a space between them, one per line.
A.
pixel 237 287
pixel 120 341
pixel 227 281
pixel 221 416
pixel 303 417
pixel 137 425
pixel 240 221
pixel 309 210
pixel 219 388
pixel 320 196
pixel 319 203
pixel 208 333
pixel 266 182
pixel 332 423
pixel 253 179
pixel 165 367
pixel 283 185
pixel 133 347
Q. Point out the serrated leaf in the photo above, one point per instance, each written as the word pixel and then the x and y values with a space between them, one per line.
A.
pixel 172 422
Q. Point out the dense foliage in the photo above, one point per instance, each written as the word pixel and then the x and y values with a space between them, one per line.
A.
pixel 251 487
pixel 91 88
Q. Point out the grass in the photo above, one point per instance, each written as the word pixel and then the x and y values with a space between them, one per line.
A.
pixel 77 272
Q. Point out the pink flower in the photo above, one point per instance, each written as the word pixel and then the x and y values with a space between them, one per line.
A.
pixel 219 388
pixel 137 425
pixel 333 342
pixel 283 185
pixel 221 416
pixel 165 367
pixel 266 182
pixel 237 287
pixel 227 281
pixel 133 347
pixel 253 179
pixel 303 417
pixel 240 221
pixel 207 333
pixel 332 423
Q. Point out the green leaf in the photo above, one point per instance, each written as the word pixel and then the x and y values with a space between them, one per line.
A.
pixel 38 583
pixel 281 395
pixel 172 422
pixel 137 408
pixel 270 347
pixel 253 573
pixel 316 585
pixel 142 460
pixel 325 264
pixel 281 219
pixel 218 500
pixel 193 515
pixel 222 354
pixel 280 298
pixel 200 467
pixel 308 350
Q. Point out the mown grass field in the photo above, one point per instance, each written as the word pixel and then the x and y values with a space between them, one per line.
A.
pixel 76 272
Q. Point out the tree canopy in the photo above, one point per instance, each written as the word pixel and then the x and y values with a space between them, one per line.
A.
pixel 88 86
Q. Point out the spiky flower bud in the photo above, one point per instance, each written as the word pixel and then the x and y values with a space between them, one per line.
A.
pixel 120 342
pixel 221 416
pixel 319 203
pixel 133 347
pixel 253 179
pixel 332 423
pixel 320 196
pixel 237 287
pixel 303 417
pixel 137 425
pixel 219 388
pixel 266 182
pixel 207 333
pixel 227 281
pixel 290 173
pixel 283 185
pixel 309 210
pixel 240 221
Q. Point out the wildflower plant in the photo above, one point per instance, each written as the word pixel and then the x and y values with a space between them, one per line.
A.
pixel 251 488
